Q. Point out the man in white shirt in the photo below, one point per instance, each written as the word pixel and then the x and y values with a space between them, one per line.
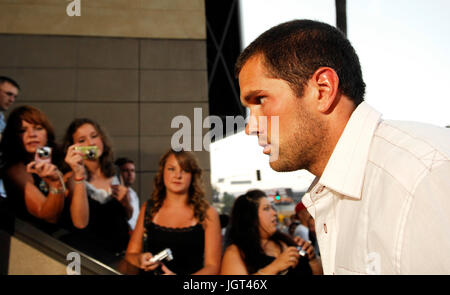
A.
pixel 128 173
pixel 381 197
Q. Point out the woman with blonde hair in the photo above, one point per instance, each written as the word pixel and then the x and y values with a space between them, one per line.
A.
pixel 177 217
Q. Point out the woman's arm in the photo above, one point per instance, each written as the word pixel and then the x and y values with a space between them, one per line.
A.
pixel 79 205
pixel 213 244
pixel 232 262
pixel 134 248
pixel 47 208
pixel 316 266
pixel 314 262
pixel 134 253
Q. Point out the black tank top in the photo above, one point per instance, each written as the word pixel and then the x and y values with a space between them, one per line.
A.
pixel 187 245
pixel 302 267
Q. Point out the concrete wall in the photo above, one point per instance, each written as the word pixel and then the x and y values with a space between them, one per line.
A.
pixel 26 260
pixel 183 19
pixel 131 67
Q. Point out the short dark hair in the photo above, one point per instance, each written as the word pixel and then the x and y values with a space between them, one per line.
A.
pixel 294 50
pixel 4 79
pixel 122 161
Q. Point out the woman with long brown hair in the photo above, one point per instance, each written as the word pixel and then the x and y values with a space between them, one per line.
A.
pixel 178 217
pixel 102 205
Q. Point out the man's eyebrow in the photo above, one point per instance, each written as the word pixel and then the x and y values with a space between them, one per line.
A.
pixel 251 94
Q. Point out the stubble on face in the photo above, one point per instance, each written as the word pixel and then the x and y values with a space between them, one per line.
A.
pixel 301 144
pixel 300 137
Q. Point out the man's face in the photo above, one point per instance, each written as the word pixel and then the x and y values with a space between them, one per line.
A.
pixel 8 94
pixel 128 173
pixel 298 138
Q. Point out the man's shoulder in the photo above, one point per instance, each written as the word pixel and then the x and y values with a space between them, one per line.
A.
pixel 408 151
pixel 413 139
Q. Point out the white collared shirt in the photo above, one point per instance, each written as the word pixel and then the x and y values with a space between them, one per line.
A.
pixel 134 202
pixel 382 204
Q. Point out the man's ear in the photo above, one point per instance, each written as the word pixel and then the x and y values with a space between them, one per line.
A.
pixel 326 81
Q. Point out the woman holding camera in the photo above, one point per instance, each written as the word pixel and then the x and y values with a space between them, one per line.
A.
pixel 100 204
pixel 177 217
pixel 33 182
pixel 258 248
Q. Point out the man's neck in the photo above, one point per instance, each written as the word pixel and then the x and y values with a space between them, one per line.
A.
pixel 337 121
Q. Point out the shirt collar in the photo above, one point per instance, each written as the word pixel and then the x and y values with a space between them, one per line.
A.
pixel 344 172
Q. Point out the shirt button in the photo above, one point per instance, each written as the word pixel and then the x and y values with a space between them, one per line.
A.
pixel 320 189
pixel 325 228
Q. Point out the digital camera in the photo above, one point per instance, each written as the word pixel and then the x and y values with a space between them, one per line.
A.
pixel 164 254
pixel 43 154
pixel 89 152
pixel 301 252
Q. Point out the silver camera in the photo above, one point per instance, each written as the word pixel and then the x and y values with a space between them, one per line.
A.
pixel 43 154
pixel 164 254
pixel 301 252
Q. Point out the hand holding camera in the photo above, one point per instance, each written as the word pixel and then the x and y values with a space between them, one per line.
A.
pixel 164 254
pixel 43 167
pixel 88 152
pixel 75 158
pixel 305 248
pixel 148 262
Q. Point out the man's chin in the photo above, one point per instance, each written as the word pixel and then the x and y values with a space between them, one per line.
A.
pixel 280 166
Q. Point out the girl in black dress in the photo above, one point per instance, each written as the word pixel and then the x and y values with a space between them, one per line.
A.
pixel 177 217
pixel 258 248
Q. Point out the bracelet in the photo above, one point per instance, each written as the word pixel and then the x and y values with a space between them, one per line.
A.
pixel 57 191
pixel 78 180
pixel 61 190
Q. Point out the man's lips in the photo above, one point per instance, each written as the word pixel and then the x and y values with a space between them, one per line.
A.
pixel 267 149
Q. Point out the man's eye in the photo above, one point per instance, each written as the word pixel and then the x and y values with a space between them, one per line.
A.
pixel 262 100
